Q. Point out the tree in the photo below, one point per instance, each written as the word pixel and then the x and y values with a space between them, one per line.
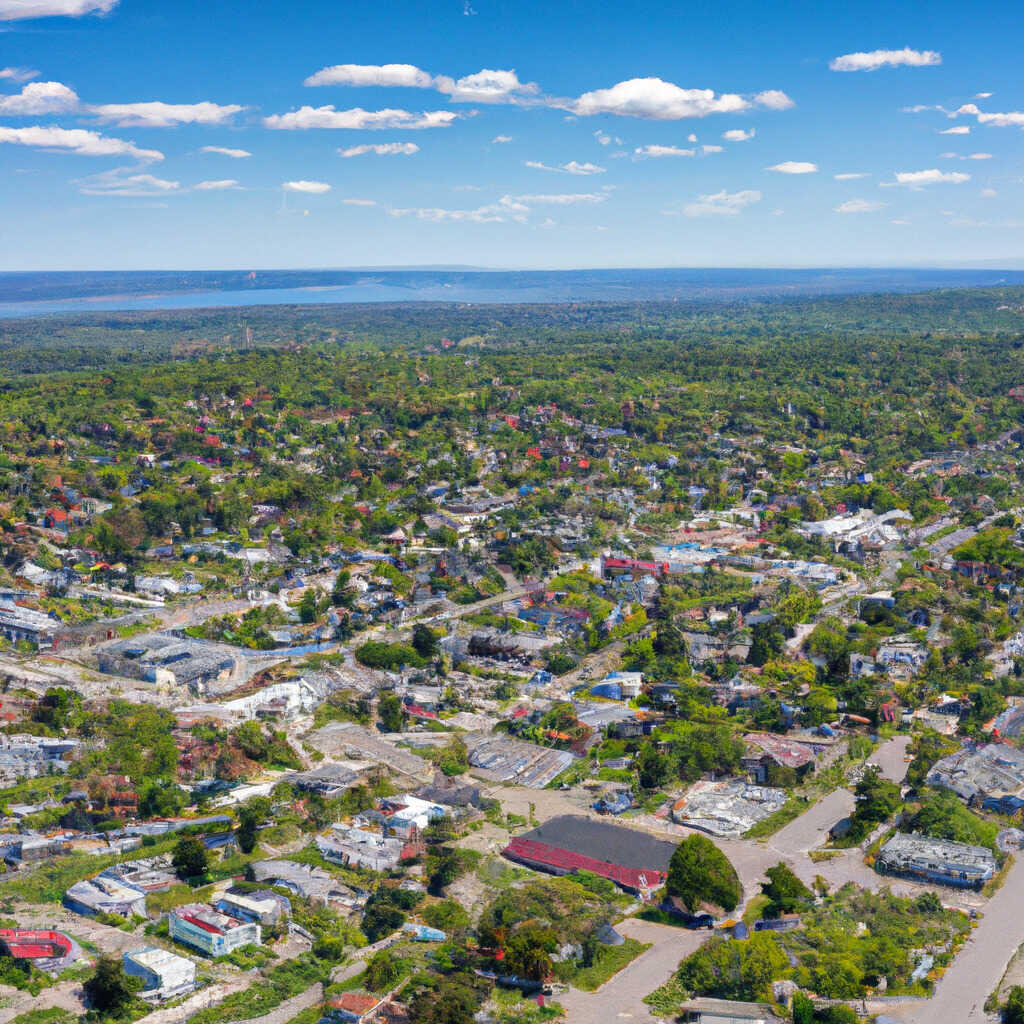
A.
pixel 785 892
pixel 528 951
pixel 110 990
pixel 382 971
pixel 700 873
pixel 443 866
pixel 307 606
pixel 877 800
pixel 250 817
pixel 190 859
pixel 652 767
pixel 381 918
pixel 1013 1011
pixel 803 1009
pixel 390 712
pixel 424 641
pixel 451 1001
pixel 765 643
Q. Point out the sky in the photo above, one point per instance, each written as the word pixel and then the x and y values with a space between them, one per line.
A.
pixel 509 133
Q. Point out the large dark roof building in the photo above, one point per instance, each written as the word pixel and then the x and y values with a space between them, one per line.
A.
pixel 630 858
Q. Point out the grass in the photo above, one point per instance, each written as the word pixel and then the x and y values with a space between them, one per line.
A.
pixel 789 811
pixel 755 909
pixel 818 856
pixel 996 882
pixel 609 963
pixel 47 1015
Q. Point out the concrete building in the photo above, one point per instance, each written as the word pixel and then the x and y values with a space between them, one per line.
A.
pixel 355 847
pixel 210 931
pixel 979 773
pixel 936 860
pixel 259 907
pixel 105 895
pixel 164 975
pixel 726 808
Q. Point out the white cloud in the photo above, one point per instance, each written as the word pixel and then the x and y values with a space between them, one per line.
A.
pixel 875 59
pixel 738 135
pixel 979 156
pixel 17 10
pixel 602 138
pixel 18 74
pixel 235 154
pixel 76 140
pixel 982 95
pixel 915 179
pixel 507 208
pixel 658 100
pixel 1009 119
pixel 794 167
pixel 486 86
pixel 960 129
pixel 851 176
pixel 710 149
pixel 217 186
pixel 691 137
pixel 358 119
pixel 774 99
pixel 383 149
pixel 315 188
pixel 900 220
pixel 359 202
pixel 39 98
pixel 727 204
pixel 565 200
pixel 498 139
pixel 988 193
pixel 657 151
pixel 119 182
pixel 403 75
pixel 155 114
pixel 572 167
pixel 859 206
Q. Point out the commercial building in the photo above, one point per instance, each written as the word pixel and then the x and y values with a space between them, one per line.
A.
pixel 47 950
pixel 355 847
pixel 632 859
pixel 936 860
pixel 164 975
pixel 259 907
pixel 105 895
pixel 210 931
pixel 979 773
pixel 503 759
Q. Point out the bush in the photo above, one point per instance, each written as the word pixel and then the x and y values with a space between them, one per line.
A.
pixel 700 873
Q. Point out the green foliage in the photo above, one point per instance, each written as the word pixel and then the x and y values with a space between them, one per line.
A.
pixel 877 801
pixel 785 892
pixel 926 748
pixel 390 712
pixel 943 816
pixel 699 873
pixel 190 858
pixel 381 655
pixel 1013 1009
pixel 109 990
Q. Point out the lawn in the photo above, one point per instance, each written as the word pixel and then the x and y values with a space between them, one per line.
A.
pixel 611 960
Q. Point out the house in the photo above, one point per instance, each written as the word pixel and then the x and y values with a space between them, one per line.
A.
pixel 164 975
pixel 105 895
pixel 260 907
pixel 210 931
pixel 353 1007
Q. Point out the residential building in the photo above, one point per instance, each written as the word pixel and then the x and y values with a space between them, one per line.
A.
pixel 210 931
pixel 164 975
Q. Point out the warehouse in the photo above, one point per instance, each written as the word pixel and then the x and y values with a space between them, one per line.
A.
pixel 164 975
pixel 936 860
pixel 632 859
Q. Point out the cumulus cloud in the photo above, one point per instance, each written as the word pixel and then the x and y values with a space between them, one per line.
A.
pixel 119 182
pixel 18 74
pixel 960 129
pixel 859 206
pixel 738 135
pixel 851 176
pixel 572 167
pixel 655 150
pixel 485 86
pixel 501 138
pixel 506 209
pixel 359 119
pixel 39 98
pixel 76 140
pixel 235 154
pixel 875 59
pixel 933 176
pixel 722 204
pixel 383 149
pixel 773 99
pixel 315 188
pixel 217 186
pixel 564 200
pixel 1008 119
pixel 155 114
pixel 794 167
pixel 658 100
pixel 18 10
pixel 403 75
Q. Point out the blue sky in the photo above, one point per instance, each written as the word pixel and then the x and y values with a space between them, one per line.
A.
pixel 507 133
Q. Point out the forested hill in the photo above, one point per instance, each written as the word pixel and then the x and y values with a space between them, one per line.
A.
pixel 97 341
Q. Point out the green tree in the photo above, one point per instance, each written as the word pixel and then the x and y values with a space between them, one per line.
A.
pixel 383 969
pixel 109 989
pixel 390 712
pixel 424 641
pixel 1013 1011
pixel 700 873
pixel 190 859
pixel 786 893
pixel 765 643
pixel 803 1009
pixel 250 817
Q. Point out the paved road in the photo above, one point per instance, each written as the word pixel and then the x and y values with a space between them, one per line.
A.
pixel 621 998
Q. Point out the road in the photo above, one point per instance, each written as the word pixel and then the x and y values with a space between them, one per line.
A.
pixel 621 998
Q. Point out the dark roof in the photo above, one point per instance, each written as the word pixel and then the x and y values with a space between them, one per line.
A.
pixel 614 844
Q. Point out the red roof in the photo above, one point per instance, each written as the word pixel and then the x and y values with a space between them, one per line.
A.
pixel 25 944
pixel 354 1002
pixel 533 852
